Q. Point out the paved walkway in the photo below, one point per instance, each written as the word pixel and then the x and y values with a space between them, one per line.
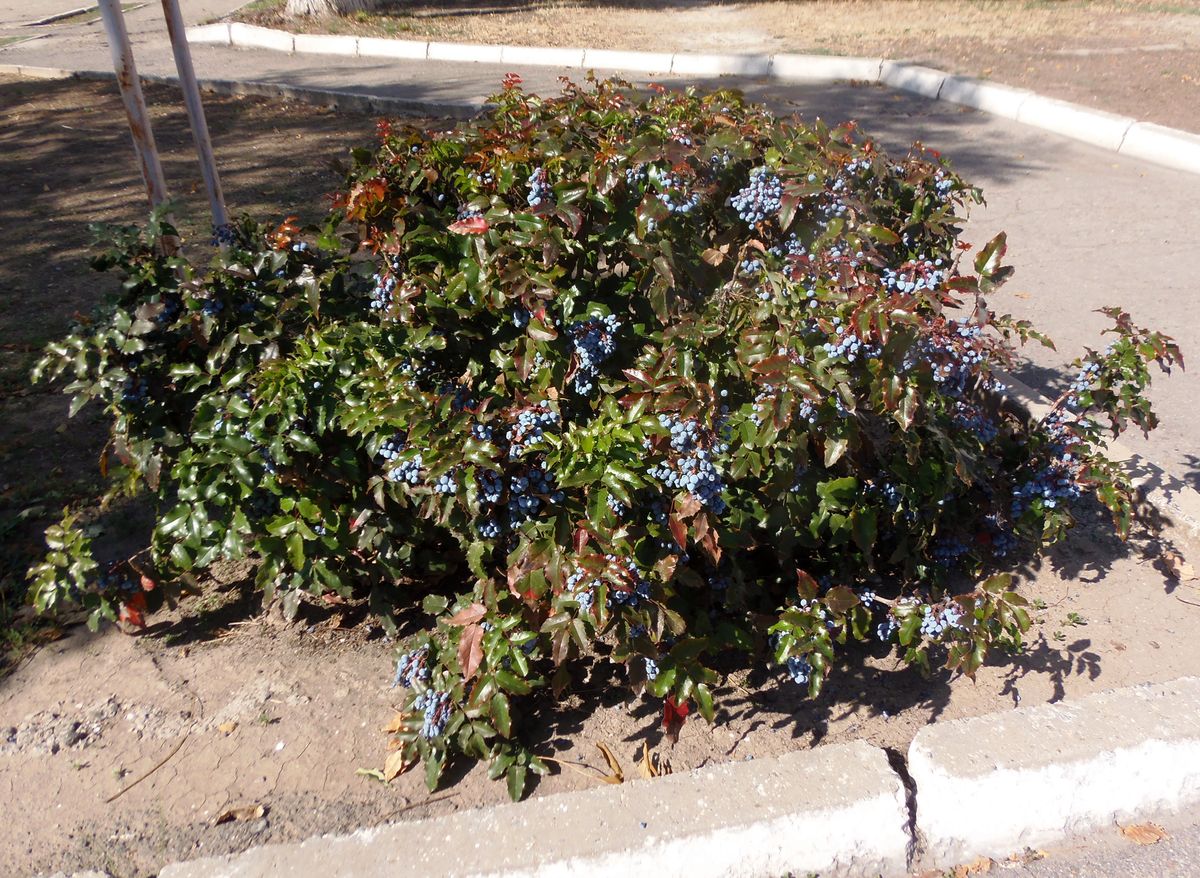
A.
pixel 1086 228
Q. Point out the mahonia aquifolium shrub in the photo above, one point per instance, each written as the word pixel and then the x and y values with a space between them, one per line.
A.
pixel 666 373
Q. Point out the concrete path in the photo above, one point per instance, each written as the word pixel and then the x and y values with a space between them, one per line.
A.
pixel 1086 228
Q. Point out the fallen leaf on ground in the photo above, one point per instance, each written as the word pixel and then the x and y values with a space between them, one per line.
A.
pixel 394 765
pixel 396 724
pixel 227 728
pixel 652 766
pixel 1144 833
pixel 981 866
pixel 373 773
pixel 617 776
pixel 241 812
pixel 1177 567
pixel 1029 855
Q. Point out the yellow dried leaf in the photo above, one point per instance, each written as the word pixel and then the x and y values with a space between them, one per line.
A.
pixel 395 725
pixel 981 866
pixel 395 765
pixel 1177 567
pixel 652 766
pixel 1144 833
pixel 227 727
pixel 242 812
pixel 617 775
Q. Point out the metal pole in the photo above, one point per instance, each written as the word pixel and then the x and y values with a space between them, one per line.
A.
pixel 135 102
pixel 195 111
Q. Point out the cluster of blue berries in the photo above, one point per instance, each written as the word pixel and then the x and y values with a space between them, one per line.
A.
pixel 976 420
pixel 594 341
pixel 759 199
pixel 675 196
pixel 691 467
pixel 172 305
pixel 935 621
pixel 525 493
pixel 651 669
pixel 436 708
pixel 212 306
pixel 750 267
pixel 914 276
pixel 539 188
pixel 948 550
pixel 134 390
pixel 799 669
pixel 406 471
pixel 582 589
pixel 411 668
pixel 1055 483
pixel 1083 382
pixel 530 427
pixel 848 345
pixel 224 235
pixel 446 483
pixel 116 579
pixel 382 292
pixel 631 587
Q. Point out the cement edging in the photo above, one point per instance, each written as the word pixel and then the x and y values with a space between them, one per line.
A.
pixel 838 810
pixel 1144 141
pixel 995 784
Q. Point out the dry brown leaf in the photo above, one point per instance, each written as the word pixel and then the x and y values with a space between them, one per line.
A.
pixel 981 866
pixel 1177 567
pixel 227 728
pixel 1144 833
pixel 395 725
pixel 394 765
pixel 241 813
pixel 1029 855
pixel 617 776
pixel 652 766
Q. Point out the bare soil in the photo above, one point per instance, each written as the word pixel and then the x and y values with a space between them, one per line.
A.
pixel 1136 57
pixel 122 752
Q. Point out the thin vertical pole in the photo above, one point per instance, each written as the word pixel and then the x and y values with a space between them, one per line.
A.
pixel 195 111
pixel 135 101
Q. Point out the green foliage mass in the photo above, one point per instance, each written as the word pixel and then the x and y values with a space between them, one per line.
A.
pixel 661 372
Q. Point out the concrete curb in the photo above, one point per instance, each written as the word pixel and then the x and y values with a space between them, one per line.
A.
pixel 839 811
pixel 1144 141
pixel 1175 500
pixel 349 101
pixel 995 784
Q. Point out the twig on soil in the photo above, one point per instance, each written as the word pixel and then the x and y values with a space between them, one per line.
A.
pixel 577 767
pixel 164 761
pixel 412 805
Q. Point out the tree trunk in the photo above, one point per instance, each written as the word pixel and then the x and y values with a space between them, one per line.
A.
pixel 328 7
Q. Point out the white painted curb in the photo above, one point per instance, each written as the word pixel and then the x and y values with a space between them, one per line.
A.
pixel 824 68
pixel 996 784
pixel 325 44
pixel 979 94
pixel 374 47
pixel 1105 130
pixel 924 81
pixel 1162 145
pixel 249 36
pixel 837 810
pixel 1154 143
pixel 640 62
